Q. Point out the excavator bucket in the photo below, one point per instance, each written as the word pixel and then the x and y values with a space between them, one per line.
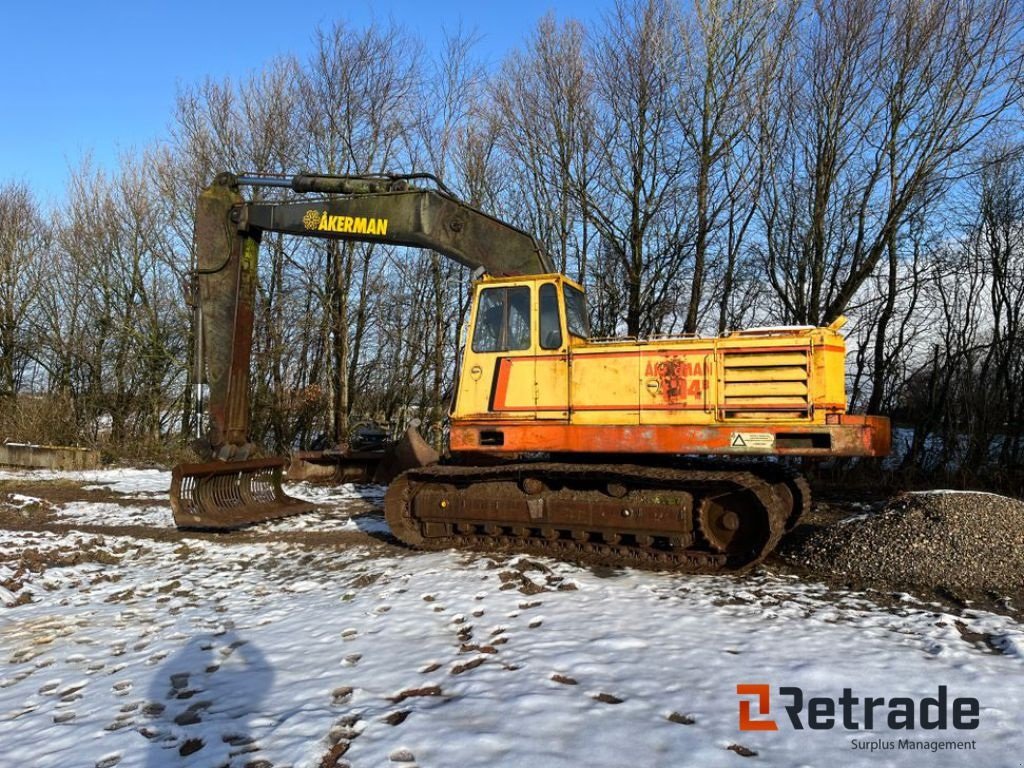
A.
pixel 411 451
pixel 224 495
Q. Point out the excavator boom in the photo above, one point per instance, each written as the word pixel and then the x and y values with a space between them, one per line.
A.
pixel 233 489
pixel 387 210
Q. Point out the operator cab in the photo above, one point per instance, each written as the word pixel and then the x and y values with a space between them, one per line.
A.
pixel 515 361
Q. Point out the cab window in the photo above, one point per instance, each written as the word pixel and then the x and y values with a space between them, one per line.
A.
pixel 576 319
pixel 550 325
pixel 502 320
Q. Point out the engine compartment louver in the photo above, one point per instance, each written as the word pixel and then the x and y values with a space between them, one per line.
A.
pixel 765 384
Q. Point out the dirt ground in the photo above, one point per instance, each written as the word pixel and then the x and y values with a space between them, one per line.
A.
pixel 329 606
pixel 830 508
pixel 41 518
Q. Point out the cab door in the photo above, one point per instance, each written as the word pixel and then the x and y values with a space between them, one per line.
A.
pixel 497 378
pixel 551 363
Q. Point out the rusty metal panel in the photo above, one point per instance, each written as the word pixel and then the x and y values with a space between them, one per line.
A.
pixel 551 385
pixel 674 385
pixel 766 385
pixel 57 457
pixel 503 504
pixel 418 218
pixel 226 266
pixel 855 436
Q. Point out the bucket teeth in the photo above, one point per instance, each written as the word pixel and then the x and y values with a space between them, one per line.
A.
pixel 223 495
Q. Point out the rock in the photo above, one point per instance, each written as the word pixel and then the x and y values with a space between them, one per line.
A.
pixel 397 717
pixel 739 749
pixel 341 694
pixel 458 669
pixel 675 717
pixel 191 746
pixel 408 693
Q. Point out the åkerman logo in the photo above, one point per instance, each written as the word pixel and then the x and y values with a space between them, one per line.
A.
pixel 353 225
pixel 311 220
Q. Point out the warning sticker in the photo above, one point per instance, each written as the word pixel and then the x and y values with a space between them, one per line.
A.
pixel 755 441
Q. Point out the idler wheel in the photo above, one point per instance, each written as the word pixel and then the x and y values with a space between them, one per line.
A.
pixel 732 523
pixel 398 512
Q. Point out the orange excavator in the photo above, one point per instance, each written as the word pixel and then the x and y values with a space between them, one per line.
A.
pixel 660 453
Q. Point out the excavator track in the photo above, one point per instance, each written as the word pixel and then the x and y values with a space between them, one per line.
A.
pixel 687 519
pixel 791 486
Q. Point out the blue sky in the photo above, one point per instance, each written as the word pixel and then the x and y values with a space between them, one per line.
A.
pixel 101 77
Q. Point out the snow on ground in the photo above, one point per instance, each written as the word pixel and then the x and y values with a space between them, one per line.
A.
pixel 336 502
pixel 329 519
pixel 140 483
pixel 136 652
pixel 954 492
pixel 92 513
pixel 335 494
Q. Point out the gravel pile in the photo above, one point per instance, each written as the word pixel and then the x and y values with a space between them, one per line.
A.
pixel 960 543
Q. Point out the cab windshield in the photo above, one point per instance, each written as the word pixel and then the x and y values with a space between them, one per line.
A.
pixel 576 318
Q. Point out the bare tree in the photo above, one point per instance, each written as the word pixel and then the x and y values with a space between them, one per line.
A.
pixel 447 119
pixel 997 245
pixel 357 92
pixel 733 50
pixel 544 101
pixel 887 101
pixel 23 245
pixel 637 198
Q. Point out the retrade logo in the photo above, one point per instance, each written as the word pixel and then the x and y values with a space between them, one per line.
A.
pixel 747 721
pixel 852 713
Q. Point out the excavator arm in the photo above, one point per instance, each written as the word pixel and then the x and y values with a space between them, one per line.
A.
pixel 234 489
pixel 389 210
